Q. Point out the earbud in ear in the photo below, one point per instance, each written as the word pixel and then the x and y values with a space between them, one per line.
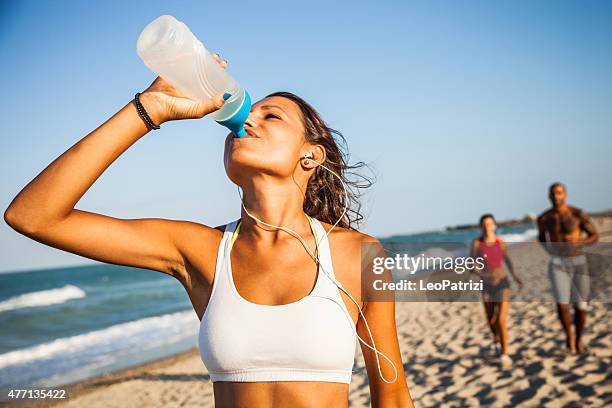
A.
pixel 308 155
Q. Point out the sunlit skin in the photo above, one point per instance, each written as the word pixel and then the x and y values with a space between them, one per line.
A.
pixel 571 229
pixel 269 266
pixel 564 223
pixel 496 311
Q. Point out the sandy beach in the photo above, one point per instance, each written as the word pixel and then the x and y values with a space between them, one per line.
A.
pixel 447 356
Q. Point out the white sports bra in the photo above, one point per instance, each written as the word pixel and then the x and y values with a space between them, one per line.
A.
pixel 312 339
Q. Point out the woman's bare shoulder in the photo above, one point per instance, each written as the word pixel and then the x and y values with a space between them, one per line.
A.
pixel 198 245
pixel 352 254
pixel 351 245
pixel 346 236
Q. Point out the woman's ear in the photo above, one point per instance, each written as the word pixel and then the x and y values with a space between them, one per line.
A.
pixel 307 161
pixel 314 155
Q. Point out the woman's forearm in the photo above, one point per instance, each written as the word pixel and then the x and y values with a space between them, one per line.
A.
pixel 53 193
pixel 398 398
pixel 509 264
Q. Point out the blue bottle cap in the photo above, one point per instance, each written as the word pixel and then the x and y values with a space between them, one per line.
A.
pixel 236 122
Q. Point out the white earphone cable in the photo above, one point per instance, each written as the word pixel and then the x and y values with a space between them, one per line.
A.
pixel 333 279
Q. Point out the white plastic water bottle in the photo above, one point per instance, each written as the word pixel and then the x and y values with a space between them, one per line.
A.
pixel 170 49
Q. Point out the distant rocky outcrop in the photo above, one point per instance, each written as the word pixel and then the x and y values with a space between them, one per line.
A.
pixel 527 219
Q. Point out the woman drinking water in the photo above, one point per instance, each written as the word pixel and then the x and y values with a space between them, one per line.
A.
pixel 280 307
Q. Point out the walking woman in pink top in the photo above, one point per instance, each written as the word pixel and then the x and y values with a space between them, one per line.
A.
pixel 496 285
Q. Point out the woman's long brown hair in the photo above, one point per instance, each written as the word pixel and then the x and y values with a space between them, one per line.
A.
pixel 324 196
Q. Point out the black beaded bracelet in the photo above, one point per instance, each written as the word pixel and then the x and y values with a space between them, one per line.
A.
pixel 143 113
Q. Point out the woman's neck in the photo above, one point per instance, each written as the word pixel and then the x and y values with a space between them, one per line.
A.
pixel 275 205
pixel 489 237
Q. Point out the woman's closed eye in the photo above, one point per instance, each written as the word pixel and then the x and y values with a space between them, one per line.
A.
pixel 271 115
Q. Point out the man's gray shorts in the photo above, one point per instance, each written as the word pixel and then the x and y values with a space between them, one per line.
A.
pixel 569 276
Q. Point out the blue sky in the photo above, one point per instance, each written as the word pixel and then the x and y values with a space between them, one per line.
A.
pixel 459 107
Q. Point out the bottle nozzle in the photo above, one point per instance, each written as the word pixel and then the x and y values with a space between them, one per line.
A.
pixel 235 123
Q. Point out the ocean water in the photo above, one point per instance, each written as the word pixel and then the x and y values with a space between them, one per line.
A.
pixel 63 325
pixel 66 324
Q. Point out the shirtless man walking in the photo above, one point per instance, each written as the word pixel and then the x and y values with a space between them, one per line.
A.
pixel 560 232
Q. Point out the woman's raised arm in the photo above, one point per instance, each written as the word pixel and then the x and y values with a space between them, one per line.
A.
pixel 44 209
